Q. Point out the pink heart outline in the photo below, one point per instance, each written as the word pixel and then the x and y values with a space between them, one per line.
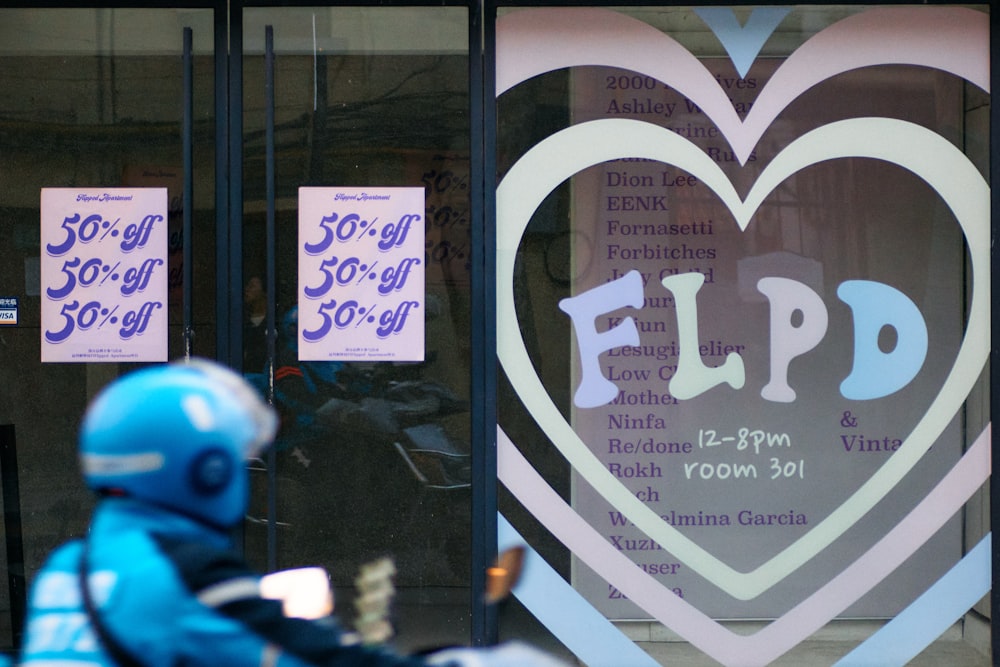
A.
pixel 952 39
pixel 960 34
pixel 792 627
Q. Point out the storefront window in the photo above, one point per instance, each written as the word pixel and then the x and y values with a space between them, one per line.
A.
pixel 91 98
pixel 742 308
pixel 373 458
pixel 771 299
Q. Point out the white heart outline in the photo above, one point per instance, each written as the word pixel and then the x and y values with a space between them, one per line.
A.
pixel 761 647
pixel 780 635
pixel 926 154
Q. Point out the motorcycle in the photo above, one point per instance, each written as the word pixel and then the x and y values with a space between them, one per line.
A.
pixel 384 403
pixel 404 413
pixel 373 445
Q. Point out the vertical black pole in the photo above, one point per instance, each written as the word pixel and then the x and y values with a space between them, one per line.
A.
pixel 222 186
pixel 317 154
pixel 188 195
pixel 233 280
pixel 995 339
pixel 229 188
pixel 483 391
pixel 272 510
pixel 12 530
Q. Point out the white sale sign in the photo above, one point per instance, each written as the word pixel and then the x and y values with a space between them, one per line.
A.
pixel 361 274
pixel 104 274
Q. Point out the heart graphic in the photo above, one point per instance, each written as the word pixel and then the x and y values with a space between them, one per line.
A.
pixel 763 646
pixel 743 43
pixel 951 39
pixel 924 153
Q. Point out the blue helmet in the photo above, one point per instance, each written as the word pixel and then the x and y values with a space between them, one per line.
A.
pixel 177 435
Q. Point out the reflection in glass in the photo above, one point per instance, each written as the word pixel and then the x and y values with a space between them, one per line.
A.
pixel 372 458
pixel 830 230
pixel 89 98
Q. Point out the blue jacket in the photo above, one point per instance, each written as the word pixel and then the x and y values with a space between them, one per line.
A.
pixel 172 593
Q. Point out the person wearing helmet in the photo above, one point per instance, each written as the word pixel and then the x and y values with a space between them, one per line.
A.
pixel 155 581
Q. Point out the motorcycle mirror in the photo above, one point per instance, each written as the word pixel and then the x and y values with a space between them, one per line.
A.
pixel 504 575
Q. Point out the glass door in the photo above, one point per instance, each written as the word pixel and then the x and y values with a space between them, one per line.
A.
pixel 354 105
pixel 90 99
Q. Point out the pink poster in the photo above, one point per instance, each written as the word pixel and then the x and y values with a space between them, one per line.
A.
pixel 361 274
pixel 104 274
